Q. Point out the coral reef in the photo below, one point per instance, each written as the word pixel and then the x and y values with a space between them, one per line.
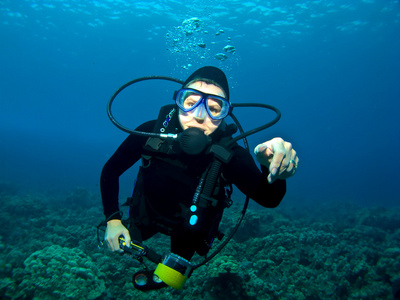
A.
pixel 48 250
pixel 62 272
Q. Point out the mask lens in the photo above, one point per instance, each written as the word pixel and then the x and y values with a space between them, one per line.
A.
pixel 187 99
pixel 217 107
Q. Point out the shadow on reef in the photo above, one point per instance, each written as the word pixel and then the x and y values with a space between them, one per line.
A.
pixel 225 286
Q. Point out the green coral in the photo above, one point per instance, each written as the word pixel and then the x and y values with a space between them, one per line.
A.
pixel 62 272
pixel 342 252
pixel 223 264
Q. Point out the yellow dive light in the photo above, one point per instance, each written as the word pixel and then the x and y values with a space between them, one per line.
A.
pixel 173 270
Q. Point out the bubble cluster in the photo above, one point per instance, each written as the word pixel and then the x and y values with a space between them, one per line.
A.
pixel 198 41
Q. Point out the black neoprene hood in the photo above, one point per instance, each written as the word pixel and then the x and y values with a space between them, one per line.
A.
pixel 211 73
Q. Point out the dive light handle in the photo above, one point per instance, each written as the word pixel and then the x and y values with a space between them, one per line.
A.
pixel 135 249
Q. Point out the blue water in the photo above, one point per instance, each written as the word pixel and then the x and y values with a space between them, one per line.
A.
pixel 331 67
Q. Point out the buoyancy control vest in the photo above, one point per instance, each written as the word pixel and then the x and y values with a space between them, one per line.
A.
pixel 170 182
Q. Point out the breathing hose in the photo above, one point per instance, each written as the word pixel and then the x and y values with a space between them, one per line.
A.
pixel 174 136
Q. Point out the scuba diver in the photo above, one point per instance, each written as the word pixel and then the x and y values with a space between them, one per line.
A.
pixel 169 195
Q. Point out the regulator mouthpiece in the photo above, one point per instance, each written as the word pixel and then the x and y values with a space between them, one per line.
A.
pixel 193 141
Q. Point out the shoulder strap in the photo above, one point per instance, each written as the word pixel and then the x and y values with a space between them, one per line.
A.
pixel 167 121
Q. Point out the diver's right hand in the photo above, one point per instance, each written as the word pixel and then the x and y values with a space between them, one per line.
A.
pixel 113 231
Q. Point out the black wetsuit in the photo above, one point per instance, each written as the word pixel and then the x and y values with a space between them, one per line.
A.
pixel 168 193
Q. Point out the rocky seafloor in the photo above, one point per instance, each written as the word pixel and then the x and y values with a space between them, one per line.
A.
pixel 48 250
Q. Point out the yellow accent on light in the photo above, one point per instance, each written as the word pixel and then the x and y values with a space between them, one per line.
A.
pixel 133 244
pixel 170 276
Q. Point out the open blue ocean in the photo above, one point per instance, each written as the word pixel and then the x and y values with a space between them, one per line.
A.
pixel 332 67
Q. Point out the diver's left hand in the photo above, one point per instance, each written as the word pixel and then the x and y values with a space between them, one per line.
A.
pixel 279 157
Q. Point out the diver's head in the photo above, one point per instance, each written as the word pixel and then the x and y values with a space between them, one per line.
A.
pixel 203 100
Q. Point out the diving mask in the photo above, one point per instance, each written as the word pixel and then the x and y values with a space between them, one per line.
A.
pixel 189 99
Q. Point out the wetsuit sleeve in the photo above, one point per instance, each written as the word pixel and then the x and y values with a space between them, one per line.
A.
pixel 127 154
pixel 243 172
